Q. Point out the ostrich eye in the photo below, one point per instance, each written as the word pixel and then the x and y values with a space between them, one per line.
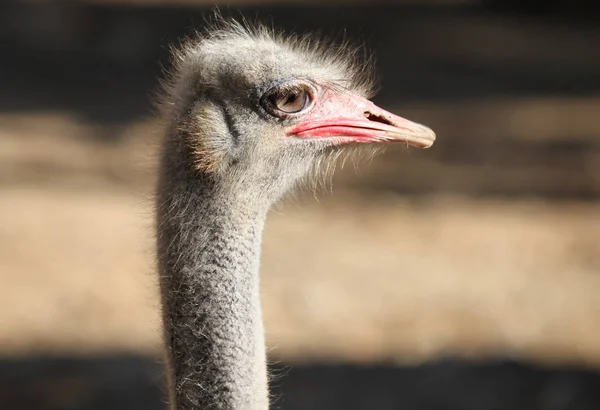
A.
pixel 283 101
pixel 291 101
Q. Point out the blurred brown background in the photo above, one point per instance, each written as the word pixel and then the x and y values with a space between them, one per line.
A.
pixel 461 277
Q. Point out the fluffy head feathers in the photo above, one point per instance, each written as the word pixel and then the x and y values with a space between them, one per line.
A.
pixel 253 111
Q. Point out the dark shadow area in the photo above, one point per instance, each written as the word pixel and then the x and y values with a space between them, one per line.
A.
pixel 102 60
pixel 135 383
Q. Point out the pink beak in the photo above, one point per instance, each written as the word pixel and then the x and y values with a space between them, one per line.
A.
pixel 348 118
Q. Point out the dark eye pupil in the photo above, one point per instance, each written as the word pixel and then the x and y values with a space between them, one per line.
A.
pixel 291 98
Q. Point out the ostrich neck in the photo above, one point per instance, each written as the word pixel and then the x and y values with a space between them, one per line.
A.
pixel 208 251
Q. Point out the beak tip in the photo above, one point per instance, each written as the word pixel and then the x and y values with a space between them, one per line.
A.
pixel 427 137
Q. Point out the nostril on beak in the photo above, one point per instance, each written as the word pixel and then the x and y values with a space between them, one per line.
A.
pixel 377 118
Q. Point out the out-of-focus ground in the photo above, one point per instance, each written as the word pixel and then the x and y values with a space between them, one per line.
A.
pixel 484 246
pixel 345 279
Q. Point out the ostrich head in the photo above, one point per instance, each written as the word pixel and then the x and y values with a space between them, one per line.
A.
pixel 254 112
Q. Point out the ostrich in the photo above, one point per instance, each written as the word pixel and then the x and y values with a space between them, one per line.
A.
pixel 248 115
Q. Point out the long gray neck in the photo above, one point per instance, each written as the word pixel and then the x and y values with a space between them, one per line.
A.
pixel 208 254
